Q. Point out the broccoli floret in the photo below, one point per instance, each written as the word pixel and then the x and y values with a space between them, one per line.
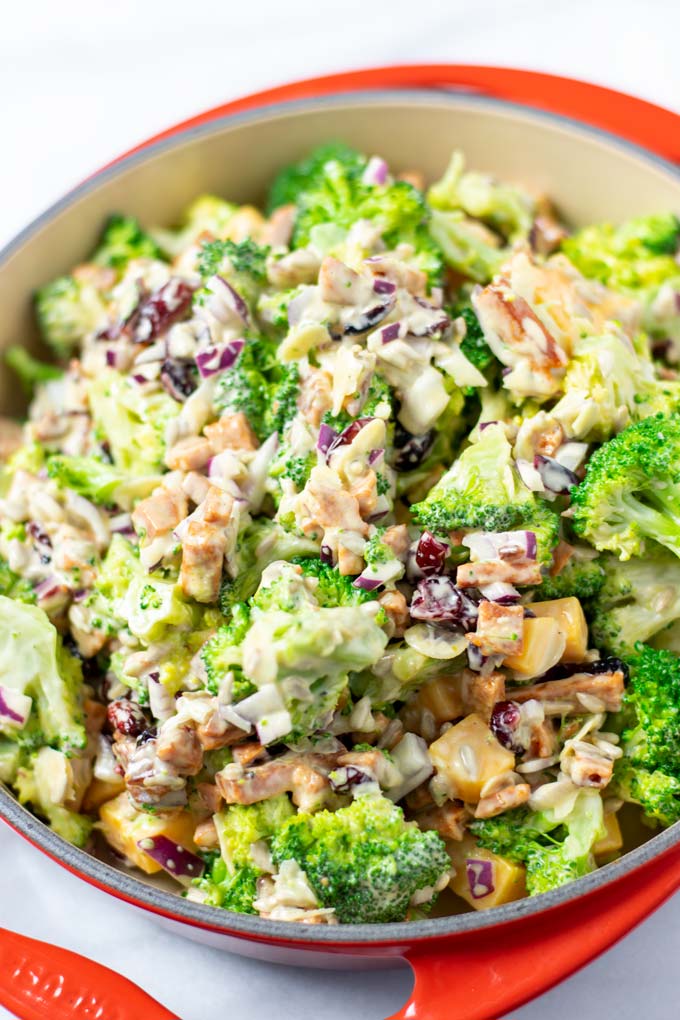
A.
pixel 102 483
pixel 34 662
pixel 657 793
pixel 123 240
pixel 221 654
pixel 631 491
pixel 654 694
pixel 240 825
pixel 260 544
pixel 365 861
pixel 298 469
pixel 67 310
pixel 244 257
pixel 207 214
pixel 233 891
pixel 245 388
pixel 334 588
pixel 554 851
pixel 636 601
pixel 283 400
pixel 582 578
pixel 503 207
pixel 633 256
pixel 483 491
pixel 329 188
pixel 463 249
pixel 31 372
pixel 473 345
pixel 13 586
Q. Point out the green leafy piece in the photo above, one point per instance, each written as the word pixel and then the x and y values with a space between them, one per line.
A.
pixel 463 249
pixel 297 178
pixel 246 257
pixel 232 891
pixel 124 239
pixel 633 256
pixel 657 793
pixel 221 654
pixel 240 825
pixel 473 345
pixel 365 861
pixel 282 406
pixel 654 694
pixel 631 491
pixel 333 588
pixel 33 787
pixel 100 482
pixel 639 600
pixel 554 851
pixel 34 662
pixel 67 310
pixel 245 388
pixel 13 586
pixel 259 544
pixel 582 578
pixel 31 372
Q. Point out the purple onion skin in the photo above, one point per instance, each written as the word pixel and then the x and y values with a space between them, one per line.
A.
pixel 431 554
pixel 370 318
pixel 479 875
pixel 382 286
pixel 156 313
pixel 505 719
pixel 8 712
pixel 326 555
pixel 327 437
pixel 349 433
pixel 554 475
pixel 390 333
pixel 368 584
pixel 437 600
pixel 176 860
pixel 410 450
pixel 178 378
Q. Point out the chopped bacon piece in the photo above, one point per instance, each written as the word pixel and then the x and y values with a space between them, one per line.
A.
pixel 607 687
pixel 231 432
pixel 499 629
pixel 503 800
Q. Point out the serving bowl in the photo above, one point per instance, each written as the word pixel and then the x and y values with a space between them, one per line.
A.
pixel 520 126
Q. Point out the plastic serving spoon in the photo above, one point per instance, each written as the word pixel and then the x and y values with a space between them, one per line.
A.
pixel 43 982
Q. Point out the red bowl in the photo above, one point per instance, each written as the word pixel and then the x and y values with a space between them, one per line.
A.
pixel 478 965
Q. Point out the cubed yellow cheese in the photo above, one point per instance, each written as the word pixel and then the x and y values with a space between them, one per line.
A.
pixel 468 756
pixel 572 622
pixel 482 878
pixel 99 791
pixel 612 841
pixel 124 826
pixel 443 698
pixel 542 648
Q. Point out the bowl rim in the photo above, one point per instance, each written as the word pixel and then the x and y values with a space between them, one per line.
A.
pixel 170 905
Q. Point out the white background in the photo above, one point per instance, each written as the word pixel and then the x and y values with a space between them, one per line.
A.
pixel 82 81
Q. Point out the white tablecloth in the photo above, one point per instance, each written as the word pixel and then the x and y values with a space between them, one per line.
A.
pixel 81 82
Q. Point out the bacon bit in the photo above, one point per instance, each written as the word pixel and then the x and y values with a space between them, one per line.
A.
pixel 549 441
pixel 246 754
pixel 217 506
pixel 349 562
pixel 159 513
pixel 449 820
pixel 396 607
pixel 546 234
pixel 101 277
pixel 231 432
pixel 590 768
pixel 561 556
pixel 420 798
pixel 608 687
pixel 203 550
pixel 214 733
pixel 209 797
pixel 542 740
pixel 246 222
pixel 328 505
pixel 189 454
pixel 179 746
pixel 397 539
pixel 365 491
pixel 500 629
pixel 206 836
pixel 316 396
pixel 474 575
pixel 303 776
pixel 503 800
pixel 277 231
pixel 481 693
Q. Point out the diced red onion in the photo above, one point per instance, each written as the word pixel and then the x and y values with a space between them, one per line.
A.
pixel 111 358
pixel 326 439
pixel 438 320
pixel 348 434
pixel 50 586
pixel 479 874
pixel 219 357
pixel 80 594
pixel 431 553
pixel 383 286
pixel 391 332
pixel 438 600
pixel 121 524
pixel 554 475
pixel 224 296
pixel 366 583
pixel 375 456
pixel 326 555
pixel 376 171
pixel 499 591
pixel 571 455
pixel 368 318
pixel 14 706
pixel 485 424
pixel 179 862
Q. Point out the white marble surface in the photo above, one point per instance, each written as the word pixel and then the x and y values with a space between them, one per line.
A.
pixel 82 81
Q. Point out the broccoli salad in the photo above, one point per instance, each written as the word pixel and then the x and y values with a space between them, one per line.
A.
pixel 340 549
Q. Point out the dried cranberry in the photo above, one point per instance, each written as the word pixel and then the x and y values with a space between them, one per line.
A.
pixel 505 719
pixel 610 664
pixel 410 450
pixel 156 313
pixel 431 553
pixel 351 776
pixel 38 534
pixel 126 717
pixel 179 377
pixel 437 600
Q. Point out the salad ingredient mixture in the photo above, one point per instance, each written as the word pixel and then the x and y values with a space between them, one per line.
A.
pixel 339 550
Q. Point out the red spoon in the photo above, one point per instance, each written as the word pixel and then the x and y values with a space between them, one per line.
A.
pixel 43 982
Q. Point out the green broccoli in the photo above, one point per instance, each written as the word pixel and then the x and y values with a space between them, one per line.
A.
pixel 282 406
pixel 100 482
pixel 221 654
pixel 365 861
pixel 503 207
pixel 297 178
pixel 334 588
pixel 483 491
pixel 631 491
pixel 654 694
pixel 245 257
pixel 67 310
pixel 259 544
pixel 233 891
pixel 473 345
pixel 31 372
pixel 463 249
pixel 33 661
pixel 554 851
pixel 207 214
pixel 379 404
pixel 245 388
pixel 240 825
pixel 638 601
pixel 633 256
pixel 14 586
pixel 123 239
pixel 580 577
pixel 657 793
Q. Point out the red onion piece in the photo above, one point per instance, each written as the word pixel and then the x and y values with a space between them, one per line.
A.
pixel 179 862
pixel 375 455
pixel 156 313
pixel 368 318
pixel 376 172
pixel 326 439
pixel 326 555
pixel 479 876
pixel 499 591
pixel 178 378
pixel 50 586
pixel 226 301
pixel 348 434
pixel 554 475
pixel 391 332
pixel 111 358
pixel 383 286
pixel 368 584
pixel 7 696
pixel 219 357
